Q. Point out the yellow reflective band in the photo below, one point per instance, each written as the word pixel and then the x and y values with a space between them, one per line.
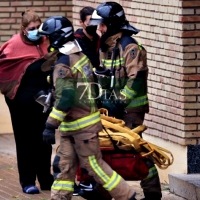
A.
pixel 97 169
pixel 78 65
pixel 52 49
pixel 152 172
pixel 80 123
pixel 117 62
pixel 57 114
pixel 140 46
pixel 113 182
pixel 63 185
pixel 140 101
pixel 128 92
pixel 89 92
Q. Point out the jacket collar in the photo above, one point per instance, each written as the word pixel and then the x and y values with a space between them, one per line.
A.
pixel 70 48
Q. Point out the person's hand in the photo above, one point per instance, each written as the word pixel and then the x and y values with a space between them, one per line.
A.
pixel 49 134
pixel 114 110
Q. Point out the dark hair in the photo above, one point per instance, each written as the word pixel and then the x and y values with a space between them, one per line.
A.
pixel 84 12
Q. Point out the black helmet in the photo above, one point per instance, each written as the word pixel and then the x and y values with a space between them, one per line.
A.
pixel 113 16
pixel 59 30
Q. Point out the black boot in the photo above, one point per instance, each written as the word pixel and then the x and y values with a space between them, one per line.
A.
pixel 152 196
pixel 97 193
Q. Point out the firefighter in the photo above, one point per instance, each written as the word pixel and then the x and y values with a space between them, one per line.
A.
pixel 89 42
pixel 122 75
pixel 76 116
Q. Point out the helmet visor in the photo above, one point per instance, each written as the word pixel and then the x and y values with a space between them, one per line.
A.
pixel 40 30
pixel 95 19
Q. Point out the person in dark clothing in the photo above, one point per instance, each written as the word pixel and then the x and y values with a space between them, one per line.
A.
pixel 87 37
pixel 21 59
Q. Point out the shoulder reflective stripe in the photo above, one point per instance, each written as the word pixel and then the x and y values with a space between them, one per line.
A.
pixel 89 92
pixel 128 92
pixel 140 46
pixel 97 169
pixel 63 185
pixel 113 182
pixel 81 123
pixel 57 114
pixel 80 64
pixel 140 101
pixel 152 172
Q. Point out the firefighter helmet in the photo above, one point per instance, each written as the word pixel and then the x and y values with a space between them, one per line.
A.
pixel 113 16
pixel 58 29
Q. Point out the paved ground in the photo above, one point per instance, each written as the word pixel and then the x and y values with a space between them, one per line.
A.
pixel 5 121
pixel 9 185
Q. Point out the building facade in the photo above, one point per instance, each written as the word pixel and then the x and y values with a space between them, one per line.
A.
pixel 170 32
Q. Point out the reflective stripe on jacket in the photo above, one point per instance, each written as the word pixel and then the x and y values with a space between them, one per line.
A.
pixel 75 109
pixel 131 70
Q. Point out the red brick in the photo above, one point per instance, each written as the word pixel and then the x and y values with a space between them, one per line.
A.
pixel 65 8
pixel 190 18
pixel 191 48
pixel 190 63
pixel 7 21
pixel 41 9
pixel 187 99
pixel 191 77
pixel 192 120
pixel 191 3
pixel 191 34
pixel 55 3
pixel 22 3
pixel 7 9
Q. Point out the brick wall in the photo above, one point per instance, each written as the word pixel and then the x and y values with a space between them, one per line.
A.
pixel 170 31
pixel 10 13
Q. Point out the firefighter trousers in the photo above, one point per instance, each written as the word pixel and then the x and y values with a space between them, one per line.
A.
pixel 87 154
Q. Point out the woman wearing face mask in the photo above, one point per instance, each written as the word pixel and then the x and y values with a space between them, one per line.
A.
pixel 21 78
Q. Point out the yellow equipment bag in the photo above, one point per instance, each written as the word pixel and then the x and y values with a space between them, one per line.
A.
pixel 127 139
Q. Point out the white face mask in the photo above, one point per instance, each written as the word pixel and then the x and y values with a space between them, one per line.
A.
pixel 33 35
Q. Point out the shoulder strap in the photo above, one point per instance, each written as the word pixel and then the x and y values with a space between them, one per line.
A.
pixel 113 143
pixel 112 70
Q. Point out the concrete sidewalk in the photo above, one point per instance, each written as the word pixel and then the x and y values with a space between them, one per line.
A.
pixel 5 121
pixel 9 184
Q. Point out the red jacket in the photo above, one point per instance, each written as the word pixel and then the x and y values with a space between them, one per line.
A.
pixel 15 57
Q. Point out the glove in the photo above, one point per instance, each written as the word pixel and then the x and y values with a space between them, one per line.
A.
pixel 49 134
pixel 113 109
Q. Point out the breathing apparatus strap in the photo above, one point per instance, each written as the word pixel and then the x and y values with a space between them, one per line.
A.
pixel 112 69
